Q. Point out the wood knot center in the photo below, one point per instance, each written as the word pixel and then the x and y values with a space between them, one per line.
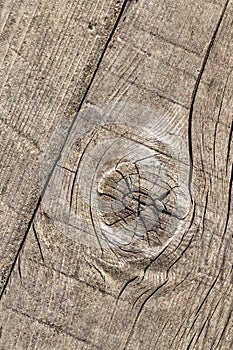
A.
pixel 124 195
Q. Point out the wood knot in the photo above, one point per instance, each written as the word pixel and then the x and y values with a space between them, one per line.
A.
pixel 124 189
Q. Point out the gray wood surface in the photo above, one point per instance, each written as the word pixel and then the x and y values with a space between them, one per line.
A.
pixel 64 64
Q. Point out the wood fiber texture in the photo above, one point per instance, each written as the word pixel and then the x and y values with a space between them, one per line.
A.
pixel 58 60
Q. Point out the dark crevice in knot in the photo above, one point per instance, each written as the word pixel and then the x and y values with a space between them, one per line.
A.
pixel 126 195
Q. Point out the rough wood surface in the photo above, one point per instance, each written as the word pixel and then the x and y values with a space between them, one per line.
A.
pixel 49 52
pixel 173 58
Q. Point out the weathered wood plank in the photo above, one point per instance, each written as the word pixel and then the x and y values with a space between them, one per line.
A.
pixel 175 56
pixel 49 51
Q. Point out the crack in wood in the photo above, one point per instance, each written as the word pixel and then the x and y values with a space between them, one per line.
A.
pixel 195 91
pixel 59 156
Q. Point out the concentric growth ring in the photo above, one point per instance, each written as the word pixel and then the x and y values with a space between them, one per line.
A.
pixel 121 184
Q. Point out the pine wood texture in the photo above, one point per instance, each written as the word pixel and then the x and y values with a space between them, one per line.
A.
pixel 59 59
